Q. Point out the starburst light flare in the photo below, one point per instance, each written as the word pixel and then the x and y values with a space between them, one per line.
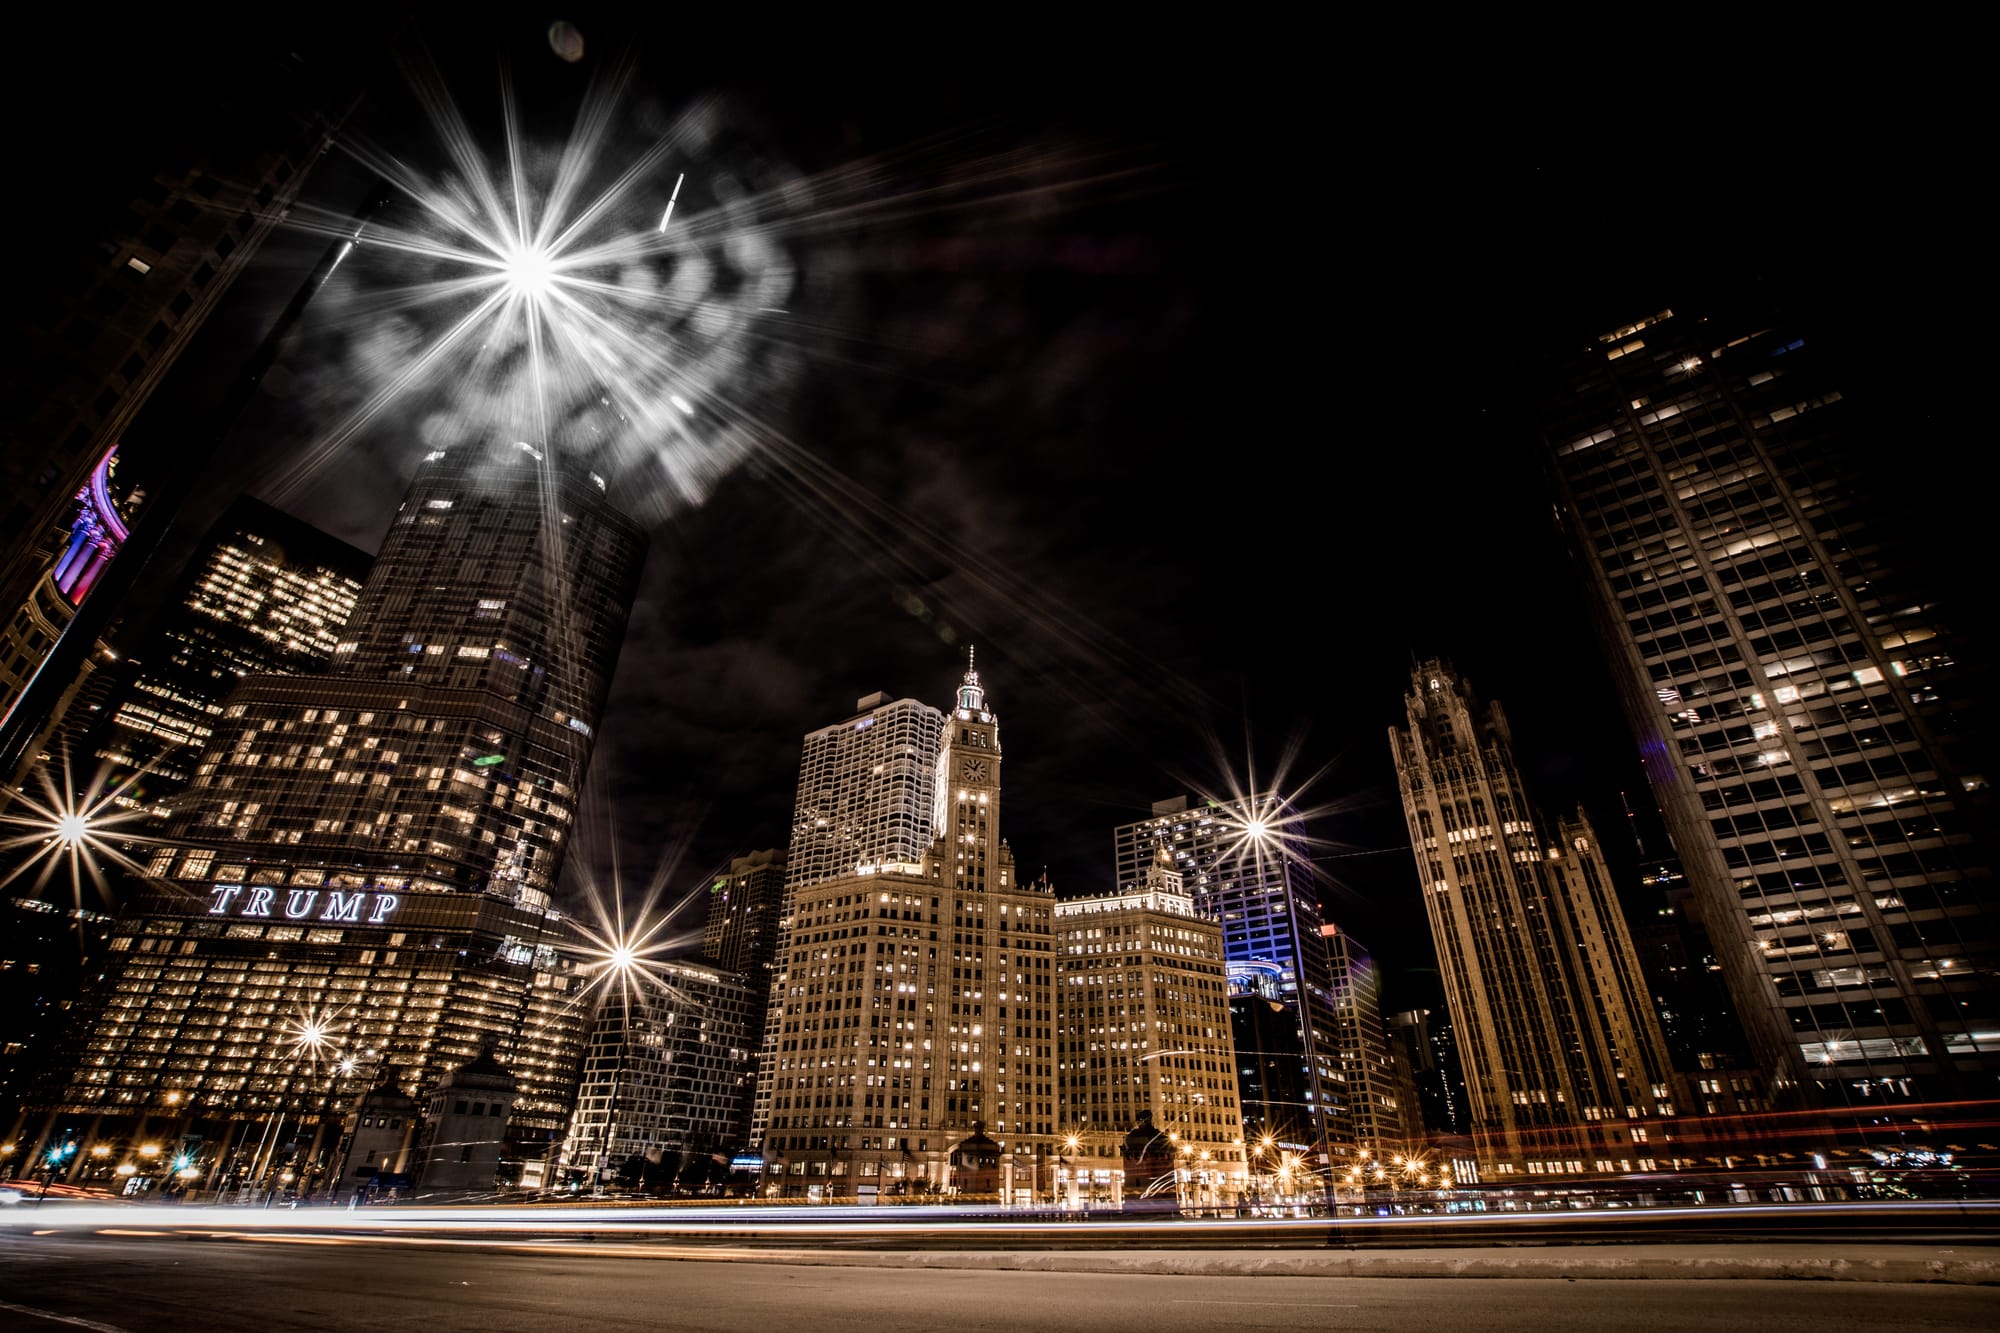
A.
pixel 310 1031
pixel 76 831
pixel 532 296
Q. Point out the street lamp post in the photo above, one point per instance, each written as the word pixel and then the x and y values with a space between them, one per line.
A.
pixel 314 1172
pixel 52 1159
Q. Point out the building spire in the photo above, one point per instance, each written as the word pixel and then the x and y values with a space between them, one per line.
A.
pixel 970 694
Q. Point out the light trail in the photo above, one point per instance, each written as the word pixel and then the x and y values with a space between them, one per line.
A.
pixel 756 1221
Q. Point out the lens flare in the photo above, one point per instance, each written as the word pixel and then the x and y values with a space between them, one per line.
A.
pixel 83 832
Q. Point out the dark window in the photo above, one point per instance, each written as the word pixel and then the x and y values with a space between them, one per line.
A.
pixel 203 275
pixel 459 1109
pixel 225 247
pixel 179 305
pixel 134 366
pixel 159 238
pixel 157 334
pixel 182 211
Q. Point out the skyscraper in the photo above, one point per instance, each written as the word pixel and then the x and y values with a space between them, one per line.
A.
pixel 740 936
pixel 1143 1024
pixel 1564 1062
pixel 1370 1102
pixel 363 863
pixel 867 797
pixel 918 1002
pixel 1432 1055
pixel 867 791
pixel 265 593
pixel 1810 706
pixel 741 933
pixel 1245 864
pixel 133 255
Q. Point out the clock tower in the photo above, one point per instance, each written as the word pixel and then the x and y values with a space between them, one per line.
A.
pixel 968 791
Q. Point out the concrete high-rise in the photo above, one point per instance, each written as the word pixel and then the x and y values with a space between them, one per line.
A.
pixel 1245 864
pixel 1810 706
pixel 1565 1065
pixel 867 797
pixel 918 1002
pixel 366 855
pixel 1143 1024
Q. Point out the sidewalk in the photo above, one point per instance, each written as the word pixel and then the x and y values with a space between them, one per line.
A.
pixel 1965 1264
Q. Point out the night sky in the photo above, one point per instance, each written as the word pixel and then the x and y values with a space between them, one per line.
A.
pixel 1204 394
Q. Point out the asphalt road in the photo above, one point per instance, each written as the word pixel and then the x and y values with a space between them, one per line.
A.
pixel 130 1284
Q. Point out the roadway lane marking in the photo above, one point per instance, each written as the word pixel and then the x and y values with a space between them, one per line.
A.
pixel 55 1318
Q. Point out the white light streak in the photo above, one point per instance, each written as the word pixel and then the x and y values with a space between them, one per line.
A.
pixel 668 215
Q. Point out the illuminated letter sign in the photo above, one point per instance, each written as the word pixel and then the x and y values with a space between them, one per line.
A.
pixel 299 904
pixel 342 907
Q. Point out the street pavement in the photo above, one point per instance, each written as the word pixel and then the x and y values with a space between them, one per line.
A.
pixel 127 1283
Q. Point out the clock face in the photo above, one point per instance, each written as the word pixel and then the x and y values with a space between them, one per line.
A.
pixel 973 770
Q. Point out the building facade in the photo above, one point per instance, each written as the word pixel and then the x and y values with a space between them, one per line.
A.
pixel 1565 1065
pixel 867 796
pixel 1245 864
pixel 917 1001
pixel 1809 706
pixel 1143 1024
pixel 264 594
pixel 667 1071
pixel 365 856
pixel 744 908
pixel 1371 1100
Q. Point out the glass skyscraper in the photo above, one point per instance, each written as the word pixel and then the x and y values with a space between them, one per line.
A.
pixel 366 855
pixel 265 593
pixel 1809 705
pixel 1246 866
